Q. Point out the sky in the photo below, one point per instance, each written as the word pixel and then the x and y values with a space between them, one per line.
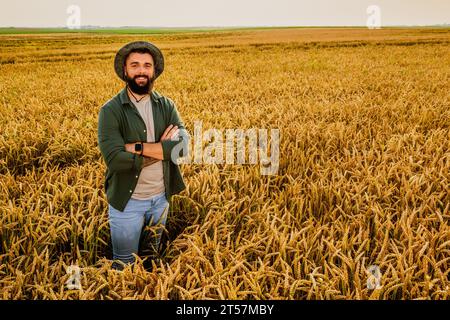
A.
pixel 221 13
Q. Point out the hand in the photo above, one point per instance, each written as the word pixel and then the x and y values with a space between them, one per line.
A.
pixel 170 132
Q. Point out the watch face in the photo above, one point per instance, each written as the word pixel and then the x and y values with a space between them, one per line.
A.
pixel 137 147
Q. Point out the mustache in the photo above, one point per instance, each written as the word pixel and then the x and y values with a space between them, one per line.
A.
pixel 141 76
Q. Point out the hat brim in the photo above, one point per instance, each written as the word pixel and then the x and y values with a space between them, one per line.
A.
pixel 123 53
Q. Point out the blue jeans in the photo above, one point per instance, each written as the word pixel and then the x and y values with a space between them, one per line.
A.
pixel 127 226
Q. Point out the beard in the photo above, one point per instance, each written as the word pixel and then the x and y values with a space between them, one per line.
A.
pixel 137 88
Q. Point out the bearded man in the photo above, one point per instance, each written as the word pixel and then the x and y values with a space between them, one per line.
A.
pixel 139 137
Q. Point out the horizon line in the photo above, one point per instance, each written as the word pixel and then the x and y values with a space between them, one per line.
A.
pixel 212 26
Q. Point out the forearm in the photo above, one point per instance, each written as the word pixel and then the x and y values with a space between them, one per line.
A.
pixel 153 150
pixel 162 150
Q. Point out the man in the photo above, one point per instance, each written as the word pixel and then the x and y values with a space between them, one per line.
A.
pixel 139 132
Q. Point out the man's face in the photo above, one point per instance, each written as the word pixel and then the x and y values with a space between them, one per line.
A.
pixel 139 72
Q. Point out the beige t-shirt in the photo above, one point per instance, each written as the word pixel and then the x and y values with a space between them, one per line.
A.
pixel 151 179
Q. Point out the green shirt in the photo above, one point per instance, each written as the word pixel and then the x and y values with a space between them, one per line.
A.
pixel 119 123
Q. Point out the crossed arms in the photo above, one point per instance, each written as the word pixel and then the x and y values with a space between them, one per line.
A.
pixel 119 156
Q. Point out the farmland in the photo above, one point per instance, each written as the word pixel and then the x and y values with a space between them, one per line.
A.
pixel 363 178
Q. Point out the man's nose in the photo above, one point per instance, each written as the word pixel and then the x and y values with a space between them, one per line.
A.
pixel 141 71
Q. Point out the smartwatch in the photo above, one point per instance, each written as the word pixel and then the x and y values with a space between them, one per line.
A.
pixel 139 147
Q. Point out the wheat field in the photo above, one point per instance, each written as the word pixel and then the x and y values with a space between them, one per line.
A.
pixel 363 179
